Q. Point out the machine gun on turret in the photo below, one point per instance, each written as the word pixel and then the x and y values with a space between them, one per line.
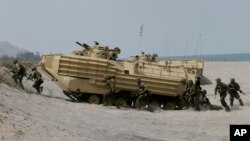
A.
pixel 87 47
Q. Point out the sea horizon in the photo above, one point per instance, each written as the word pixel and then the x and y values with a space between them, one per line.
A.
pixel 216 57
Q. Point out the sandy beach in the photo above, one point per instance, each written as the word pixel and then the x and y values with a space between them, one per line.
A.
pixel 53 117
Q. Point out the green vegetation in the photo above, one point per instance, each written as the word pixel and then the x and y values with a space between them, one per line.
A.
pixel 7 64
pixel 28 56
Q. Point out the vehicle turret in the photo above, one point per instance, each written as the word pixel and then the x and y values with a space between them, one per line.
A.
pixel 98 51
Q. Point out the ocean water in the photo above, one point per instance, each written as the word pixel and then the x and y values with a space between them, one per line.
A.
pixel 221 57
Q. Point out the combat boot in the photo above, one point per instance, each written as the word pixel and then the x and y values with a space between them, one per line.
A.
pixel 241 102
pixel 231 102
pixel 41 89
pixel 197 109
pixel 227 109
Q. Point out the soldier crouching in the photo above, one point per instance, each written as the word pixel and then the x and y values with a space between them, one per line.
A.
pixel 143 95
pixel 110 85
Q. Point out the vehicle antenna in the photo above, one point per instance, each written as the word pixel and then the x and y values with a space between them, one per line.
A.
pixel 197 45
pixel 140 36
pixel 186 48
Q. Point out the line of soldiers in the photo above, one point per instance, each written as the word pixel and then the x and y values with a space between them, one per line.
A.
pixel 194 95
pixel 140 100
pixel 19 72
pixel 232 88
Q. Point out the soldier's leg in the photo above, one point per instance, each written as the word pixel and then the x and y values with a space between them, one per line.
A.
pixel 231 98
pixel 182 102
pixel 223 102
pixel 191 101
pixel 237 96
pixel 36 86
pixel 147 99
pixel 196 102
pixel 40 81
pixel 105 99
pixel 138 102
pixel 115 101
pixel 20 79
pixel 15 77
pixel 208 102
pixel 134 101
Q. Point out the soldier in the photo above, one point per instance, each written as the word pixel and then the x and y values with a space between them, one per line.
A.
pixel 37 76
pixel 233 88
pixel 222 89
pixel 194 94
pixel 143 95
pixel 198 82
pixel 204 100
pixel 110 84
pixel 19 72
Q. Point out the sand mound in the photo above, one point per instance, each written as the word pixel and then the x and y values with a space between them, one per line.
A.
pixel 6 77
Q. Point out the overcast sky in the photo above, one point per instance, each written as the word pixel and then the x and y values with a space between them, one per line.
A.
pixel 171 27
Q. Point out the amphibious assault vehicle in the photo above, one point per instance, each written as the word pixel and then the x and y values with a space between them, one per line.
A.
pixel 81 73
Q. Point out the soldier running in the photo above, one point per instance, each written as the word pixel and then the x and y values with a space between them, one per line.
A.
pixel 143 95
pixel 233 88
pixel 19 72
pixel 37 76
pixel 222 89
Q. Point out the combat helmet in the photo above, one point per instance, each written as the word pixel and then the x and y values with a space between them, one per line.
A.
pixel 218 80
pixel 15 61
pixel 232 80
pixel 33 69
pixel 138 80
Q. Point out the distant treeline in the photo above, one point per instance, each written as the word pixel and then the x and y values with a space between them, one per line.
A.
pixel 25 55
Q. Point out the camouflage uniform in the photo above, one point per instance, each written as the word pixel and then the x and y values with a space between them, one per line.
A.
pixel 143 95
pixel 203 99
pixel 194 95
pixel 37 76
pixel 222 89
pixel 18 73
pixel 233 88
pixel 110 84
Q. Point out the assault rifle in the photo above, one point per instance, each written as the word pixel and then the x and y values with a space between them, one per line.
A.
pixel 29 77
pixel 242 92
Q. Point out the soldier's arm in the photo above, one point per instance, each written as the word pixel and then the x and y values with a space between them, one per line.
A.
pixel 29 77
pixel 238 88
pixel 33 75
pixel 215 90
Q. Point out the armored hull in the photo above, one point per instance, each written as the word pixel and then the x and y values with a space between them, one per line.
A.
pixel 81 76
